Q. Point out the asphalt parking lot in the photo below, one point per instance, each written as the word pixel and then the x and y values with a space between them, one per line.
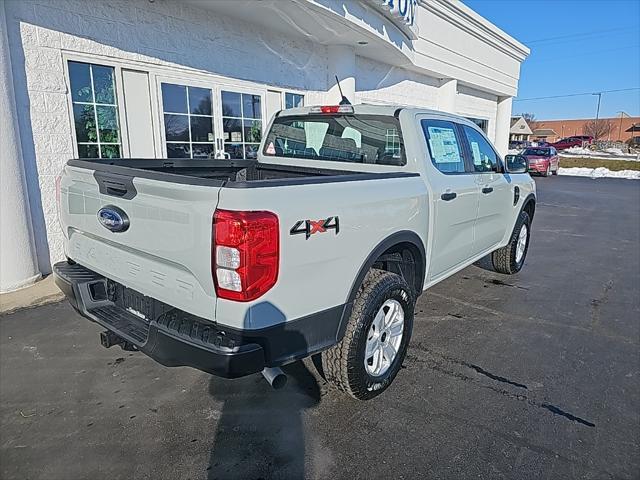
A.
pixel 531 376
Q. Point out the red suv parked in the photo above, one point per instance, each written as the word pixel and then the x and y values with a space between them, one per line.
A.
pixel 542 160
pixel 576 141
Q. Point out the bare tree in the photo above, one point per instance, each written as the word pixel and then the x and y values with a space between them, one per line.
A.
pixel 597 129
pixel 530 118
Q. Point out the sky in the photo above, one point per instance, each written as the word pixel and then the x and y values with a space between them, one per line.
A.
pixel 577 46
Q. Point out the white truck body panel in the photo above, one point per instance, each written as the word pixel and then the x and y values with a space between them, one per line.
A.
pixel 166 254
pixel 317 273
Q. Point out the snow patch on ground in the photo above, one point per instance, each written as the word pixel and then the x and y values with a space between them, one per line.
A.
pixel 614 151
pixel 578 151
pixel 609 154
pixel 600 172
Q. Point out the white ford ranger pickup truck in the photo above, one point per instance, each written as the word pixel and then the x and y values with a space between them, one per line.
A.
pixel 320 245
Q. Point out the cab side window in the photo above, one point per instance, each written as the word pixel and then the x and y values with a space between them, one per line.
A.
pixel 485 159
pixel 444 145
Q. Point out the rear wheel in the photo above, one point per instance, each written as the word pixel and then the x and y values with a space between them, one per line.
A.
pixel 371 353
pixel 555 172
pixel 510 258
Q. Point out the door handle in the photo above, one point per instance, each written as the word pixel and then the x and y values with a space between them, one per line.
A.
pixel 448 196
pixel 487 190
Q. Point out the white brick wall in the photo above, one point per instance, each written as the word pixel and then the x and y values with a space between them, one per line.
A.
pixel 168 34
pixel 162 33
pixel 380 83
pixel 473 103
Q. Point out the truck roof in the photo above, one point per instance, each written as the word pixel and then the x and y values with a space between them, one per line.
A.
pixel 369 109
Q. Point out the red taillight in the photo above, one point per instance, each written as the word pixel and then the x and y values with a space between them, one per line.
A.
pixel 245 254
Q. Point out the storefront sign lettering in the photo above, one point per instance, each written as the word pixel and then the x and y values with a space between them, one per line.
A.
pixel 405 9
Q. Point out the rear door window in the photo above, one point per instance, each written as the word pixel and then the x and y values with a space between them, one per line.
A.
pixel 373 139
pixel 444 145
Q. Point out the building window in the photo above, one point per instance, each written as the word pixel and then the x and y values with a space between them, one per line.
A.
pixel 481 122
pixel 95 110
pixel 293 100
pixel 241 124
pixel 188 121
pixel 392 142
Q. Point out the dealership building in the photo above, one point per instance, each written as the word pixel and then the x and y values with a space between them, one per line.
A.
pixel 201 79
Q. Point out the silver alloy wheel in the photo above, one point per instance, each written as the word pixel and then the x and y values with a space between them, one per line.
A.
pixel 384 338
pixel 522 243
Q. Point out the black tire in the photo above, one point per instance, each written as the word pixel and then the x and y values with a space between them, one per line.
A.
pixel 343 364
pixel 504 259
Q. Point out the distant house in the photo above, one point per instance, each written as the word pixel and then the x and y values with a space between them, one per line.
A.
pixel 634 131
pixel 520 130
pixel 635 128
pixel 544 135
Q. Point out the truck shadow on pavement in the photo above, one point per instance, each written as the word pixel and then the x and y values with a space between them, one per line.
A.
pixel 260 433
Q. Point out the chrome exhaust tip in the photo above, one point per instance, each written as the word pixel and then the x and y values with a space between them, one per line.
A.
pixel 275 376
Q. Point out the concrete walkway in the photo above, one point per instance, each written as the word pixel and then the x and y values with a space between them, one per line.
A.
pixel 40 293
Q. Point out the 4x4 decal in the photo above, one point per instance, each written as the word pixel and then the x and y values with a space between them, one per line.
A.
pixel 310 227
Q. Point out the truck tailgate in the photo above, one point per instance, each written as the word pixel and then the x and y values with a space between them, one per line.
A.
pixel 165 253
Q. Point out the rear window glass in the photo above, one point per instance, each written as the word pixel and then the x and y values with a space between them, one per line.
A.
pixel 373 139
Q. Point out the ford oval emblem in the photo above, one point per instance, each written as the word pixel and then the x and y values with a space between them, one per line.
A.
pixel 113 218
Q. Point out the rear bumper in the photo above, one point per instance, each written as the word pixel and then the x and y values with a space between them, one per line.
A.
pixel 173 337
pixel 538 167
pixel 167 339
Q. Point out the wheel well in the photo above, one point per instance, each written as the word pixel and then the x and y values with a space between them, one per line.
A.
pixel 405 260
pixel 530 208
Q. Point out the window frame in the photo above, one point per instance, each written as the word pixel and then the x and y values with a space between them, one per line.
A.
pixel 216 85
pixel 290 92
pixel 170 74
pixel 482 119
pixel 119 93
pixel 231 88
pixel 457 127
pixel 162 113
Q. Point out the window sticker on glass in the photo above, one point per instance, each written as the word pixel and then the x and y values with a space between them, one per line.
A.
pixel 271 149
pixel 444 145
pixel 477 157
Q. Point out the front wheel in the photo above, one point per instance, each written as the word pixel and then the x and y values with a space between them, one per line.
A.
pixel 510 258
pixel 371 353
pixel 547 172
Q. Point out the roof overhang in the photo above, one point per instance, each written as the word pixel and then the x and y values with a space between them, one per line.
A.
pixel 391 35
pixel 375 32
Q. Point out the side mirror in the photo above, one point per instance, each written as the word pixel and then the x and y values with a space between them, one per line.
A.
pixel 517 164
